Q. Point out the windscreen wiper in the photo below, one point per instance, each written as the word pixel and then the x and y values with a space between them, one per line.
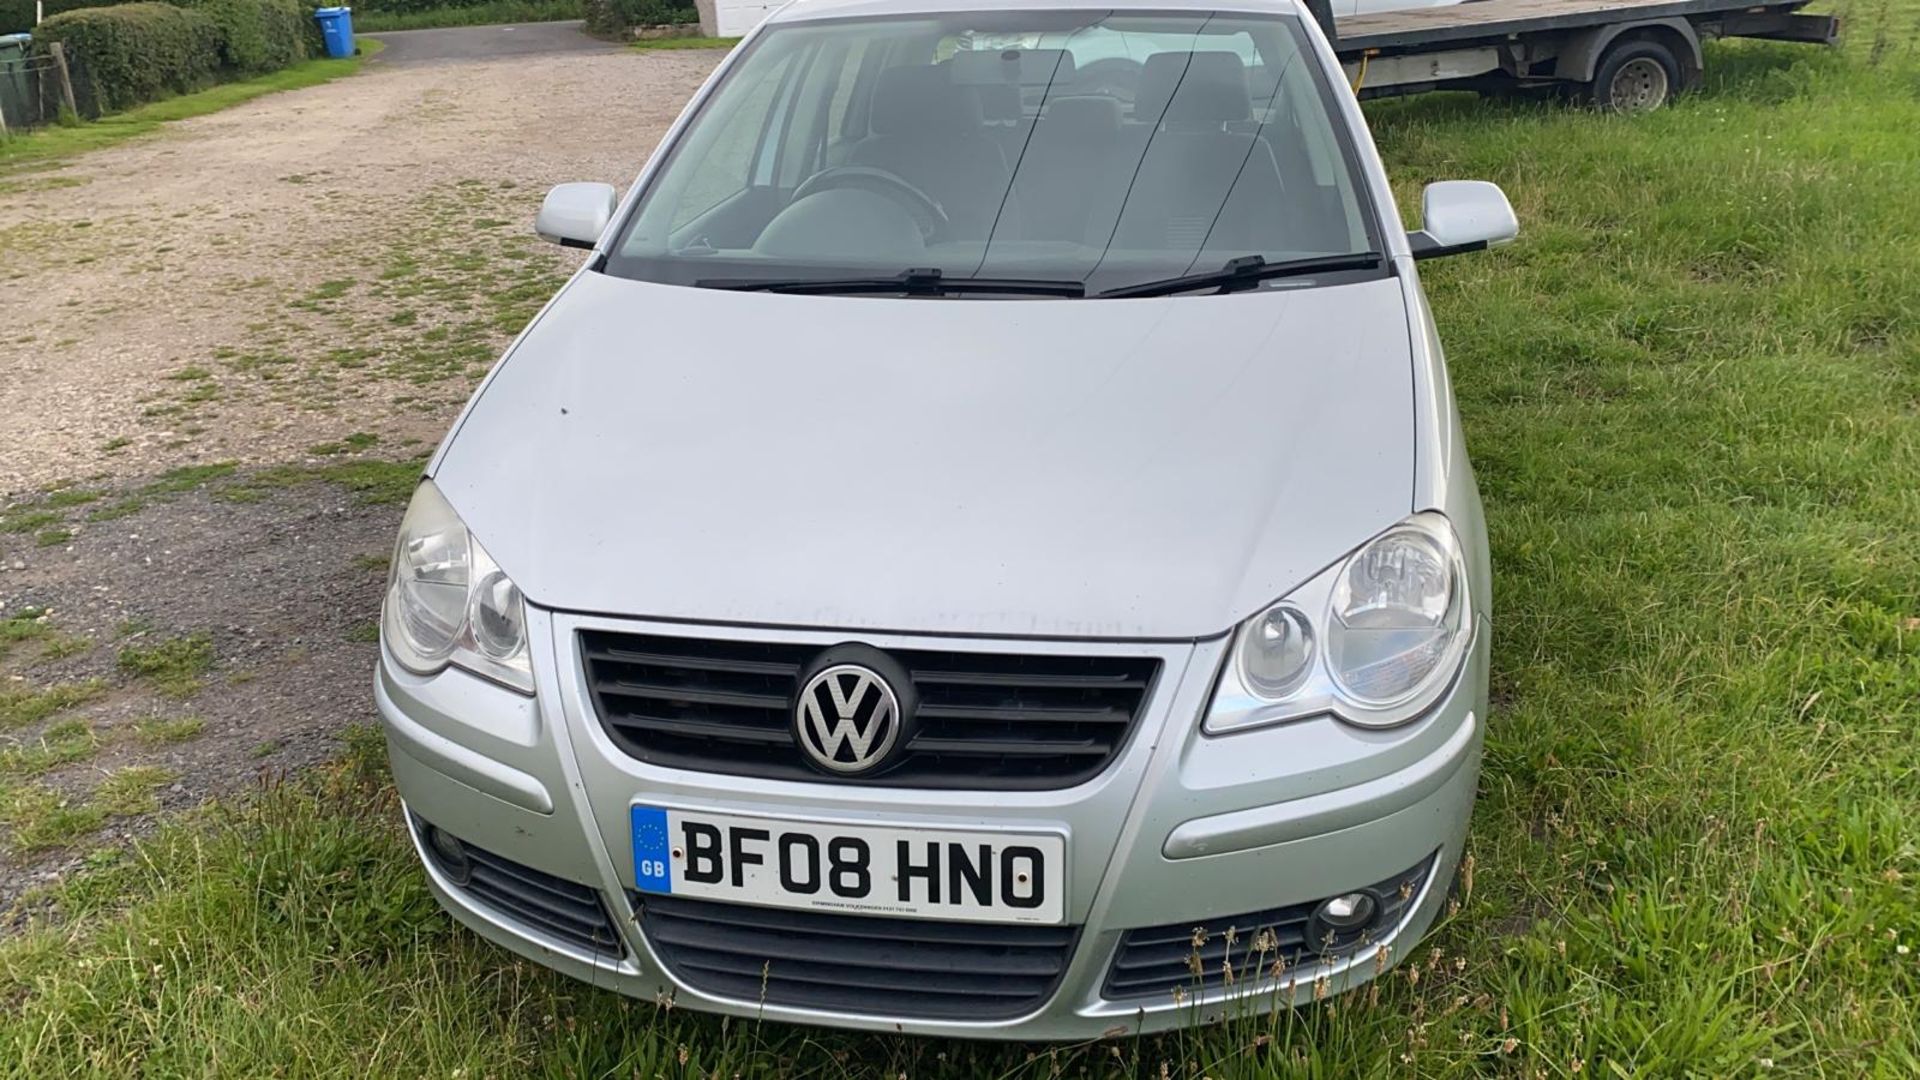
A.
pixel 921 282
pixel 1245 273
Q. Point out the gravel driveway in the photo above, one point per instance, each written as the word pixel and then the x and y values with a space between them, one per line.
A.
pixel 208 293
pixel 224 348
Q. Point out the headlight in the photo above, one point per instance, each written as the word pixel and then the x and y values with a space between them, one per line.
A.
pixel 1393 622
pixel 1396 614
pixel 448 602
pixel 1276 651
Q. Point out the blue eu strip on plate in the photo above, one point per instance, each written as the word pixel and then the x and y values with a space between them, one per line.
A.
pixel 651 867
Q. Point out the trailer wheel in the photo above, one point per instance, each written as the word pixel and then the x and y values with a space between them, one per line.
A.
pixel 1635 75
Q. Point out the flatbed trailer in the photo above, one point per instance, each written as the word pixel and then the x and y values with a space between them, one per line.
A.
pixel 1623 55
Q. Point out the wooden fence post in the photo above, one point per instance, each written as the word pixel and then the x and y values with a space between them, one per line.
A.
pixel 59 51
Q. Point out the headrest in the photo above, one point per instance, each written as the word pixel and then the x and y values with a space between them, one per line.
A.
pixel 1013 67
pixel 1082 117
pixel 1193 88
pixel 922 100
pixel 999 102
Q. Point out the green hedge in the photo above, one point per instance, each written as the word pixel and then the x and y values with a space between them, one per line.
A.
pixel 135 53
pixel 602 19
pixel 260 35
pixel 656 12
pixel 613 18
pixel 475 13
pixel 403 7
pixel 130 54
pixel 410 7
pixel 16 16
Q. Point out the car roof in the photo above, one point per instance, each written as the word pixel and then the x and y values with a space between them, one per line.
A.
pixel 806 10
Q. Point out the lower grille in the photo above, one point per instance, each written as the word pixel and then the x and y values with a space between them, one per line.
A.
pixel 562 909
pixel 1157 961
pixel 857 963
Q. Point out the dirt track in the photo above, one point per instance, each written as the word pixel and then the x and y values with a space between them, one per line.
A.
pixel 259 244
pixel 308 286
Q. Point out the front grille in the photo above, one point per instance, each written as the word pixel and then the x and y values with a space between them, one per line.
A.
pixel 857 963
pixel 985 719
pixel 1261 948
pixel 563 909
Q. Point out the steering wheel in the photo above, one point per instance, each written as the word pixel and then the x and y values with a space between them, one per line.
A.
pixel 1114 76
pixel 927 213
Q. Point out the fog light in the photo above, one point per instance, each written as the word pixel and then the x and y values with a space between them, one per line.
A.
pixel 1342 922
pixel 451 854
pixel 1348 911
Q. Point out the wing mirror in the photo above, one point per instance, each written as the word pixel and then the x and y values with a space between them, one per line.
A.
pixel 1462 215
pixel 574 215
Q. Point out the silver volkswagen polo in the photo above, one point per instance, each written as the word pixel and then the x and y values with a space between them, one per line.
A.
pixel 983 547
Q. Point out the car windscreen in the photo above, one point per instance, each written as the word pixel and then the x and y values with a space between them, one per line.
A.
pixel 1102 148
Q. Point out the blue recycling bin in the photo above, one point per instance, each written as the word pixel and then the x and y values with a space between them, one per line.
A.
pixel 336 30
pixel 17 99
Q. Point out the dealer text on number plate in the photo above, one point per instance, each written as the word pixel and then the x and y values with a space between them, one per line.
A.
pixel 879 870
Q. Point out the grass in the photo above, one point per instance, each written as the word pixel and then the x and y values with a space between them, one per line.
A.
pixel 61 646
pixel 1692 393
pixel 45 145
pixel 132 790
pixel 20 707
pixel 27 520
pixel 27 624
pixel 174 665
pixel 187 478
pixel 117 509
pixel 648 44
pixel 375 482
pixel 373 562
pixel 487 14
pixel 358 441
pixel 62 743
pixel 73 496
pixel 42 818
pixel 331 290
pixel 162 731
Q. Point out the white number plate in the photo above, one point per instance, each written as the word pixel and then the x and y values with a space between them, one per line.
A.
pixel 921 873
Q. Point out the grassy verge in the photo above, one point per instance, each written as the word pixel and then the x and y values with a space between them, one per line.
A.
pixel 485 14
pixel 1692 392
pixel 43 145
pixel 648 44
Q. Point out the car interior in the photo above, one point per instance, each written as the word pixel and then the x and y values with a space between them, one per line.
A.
pixel 1180 151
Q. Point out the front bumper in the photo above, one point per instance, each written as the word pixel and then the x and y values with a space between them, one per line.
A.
pixel 1180 827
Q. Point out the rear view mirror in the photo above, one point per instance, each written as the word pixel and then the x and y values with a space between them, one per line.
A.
pixel 1462 215
pixel 574 215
